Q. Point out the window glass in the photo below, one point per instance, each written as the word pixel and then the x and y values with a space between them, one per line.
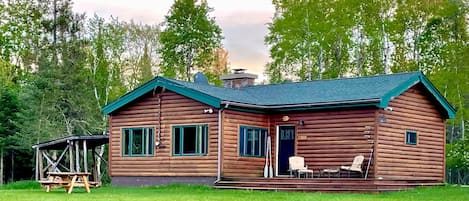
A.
pixel 190 140
pixel 249 143
pixel 411 137
pixel 126 142
pixel 137 141
pixel 256 142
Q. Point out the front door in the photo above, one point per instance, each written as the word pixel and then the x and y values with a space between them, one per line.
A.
pixel 286 147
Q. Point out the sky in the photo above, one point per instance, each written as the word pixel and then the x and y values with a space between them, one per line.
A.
pixel 243 22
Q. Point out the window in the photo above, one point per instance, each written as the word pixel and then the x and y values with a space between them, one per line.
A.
pixel 190 140
pixel 137 142
pixel 252 141
pixel 411 137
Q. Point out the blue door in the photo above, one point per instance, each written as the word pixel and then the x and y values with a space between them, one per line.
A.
pixel 286 147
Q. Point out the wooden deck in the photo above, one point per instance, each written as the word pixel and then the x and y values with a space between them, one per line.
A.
pixel 358 185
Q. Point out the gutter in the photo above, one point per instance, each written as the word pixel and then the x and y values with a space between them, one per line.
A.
pixel 220 111
pixel 246 105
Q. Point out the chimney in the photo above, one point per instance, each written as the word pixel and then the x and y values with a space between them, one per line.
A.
pixel 239 79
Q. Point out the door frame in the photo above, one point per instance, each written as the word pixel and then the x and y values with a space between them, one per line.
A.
pixel 277 144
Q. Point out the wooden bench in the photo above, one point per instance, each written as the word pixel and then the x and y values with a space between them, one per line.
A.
pixel 48 185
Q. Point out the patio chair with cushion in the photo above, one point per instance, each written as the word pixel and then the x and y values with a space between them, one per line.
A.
pixel 297 164
pixel 356 165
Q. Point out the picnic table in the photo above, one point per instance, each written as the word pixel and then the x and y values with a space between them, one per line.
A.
pixel 69 180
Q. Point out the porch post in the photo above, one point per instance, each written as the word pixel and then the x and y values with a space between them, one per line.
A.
pixel 85 157
pixel 95 169
pixel 77 156
pixel 41 165
pixel 70 149
pixel 36 175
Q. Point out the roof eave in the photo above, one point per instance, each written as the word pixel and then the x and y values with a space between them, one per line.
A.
pixel 308 106
pixel 165 83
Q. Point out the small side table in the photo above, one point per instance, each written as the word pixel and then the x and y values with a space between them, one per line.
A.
pixel 330 171
pixel 305 172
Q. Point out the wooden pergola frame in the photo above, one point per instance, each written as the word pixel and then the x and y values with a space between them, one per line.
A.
pixel 77 148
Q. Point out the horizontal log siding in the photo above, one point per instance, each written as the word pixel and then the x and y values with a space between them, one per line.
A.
pixel 412 110
pixel 233 164
pixel 330 139
pixel 175 110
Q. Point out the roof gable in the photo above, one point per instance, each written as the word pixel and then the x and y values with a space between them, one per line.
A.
pixel 376 91
pixel 419 78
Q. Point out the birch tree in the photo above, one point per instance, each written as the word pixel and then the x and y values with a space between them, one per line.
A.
pixel 189 39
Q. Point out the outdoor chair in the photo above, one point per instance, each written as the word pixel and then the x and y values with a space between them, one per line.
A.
pixel 297 164
pixel 356 165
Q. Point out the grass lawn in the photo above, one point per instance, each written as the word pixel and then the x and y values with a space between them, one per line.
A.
pixel 25 191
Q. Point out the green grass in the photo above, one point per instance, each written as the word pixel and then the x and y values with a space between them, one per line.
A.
pixel 26 191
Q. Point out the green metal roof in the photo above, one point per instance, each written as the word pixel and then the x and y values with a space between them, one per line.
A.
pixel 347 92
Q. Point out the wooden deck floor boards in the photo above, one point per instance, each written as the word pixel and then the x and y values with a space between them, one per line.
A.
pixel 323 184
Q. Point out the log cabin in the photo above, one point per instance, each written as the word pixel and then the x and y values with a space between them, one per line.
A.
pixel 168 131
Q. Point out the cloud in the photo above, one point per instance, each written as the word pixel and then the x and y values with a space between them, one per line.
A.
pixel 244 39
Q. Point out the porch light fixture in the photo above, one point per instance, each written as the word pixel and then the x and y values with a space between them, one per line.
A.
pixel 301 122
pixel 208 111
pixel 285 118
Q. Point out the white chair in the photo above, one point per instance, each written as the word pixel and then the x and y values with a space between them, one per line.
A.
pixel 297 164
pixel 356 165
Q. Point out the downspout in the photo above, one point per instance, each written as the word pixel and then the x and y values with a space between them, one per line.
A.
pixel 159 122
pixel 220 112
pixel 158 141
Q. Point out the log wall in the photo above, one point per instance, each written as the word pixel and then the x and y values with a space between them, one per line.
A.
pixel 412 110
pixel 330 139
pixel 233 164
pixel 175 110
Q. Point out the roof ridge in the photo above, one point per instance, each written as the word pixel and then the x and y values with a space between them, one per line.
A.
pixel 209 85
pixel 335 79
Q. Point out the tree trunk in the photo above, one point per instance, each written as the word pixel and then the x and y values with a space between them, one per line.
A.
pixel 320 63
pixel 12 171
pixel 462 128
pixel 1 167
pixel 98 163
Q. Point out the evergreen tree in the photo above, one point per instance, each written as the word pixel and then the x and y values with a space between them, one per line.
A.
pixel 8 127
pixel 141 53
pixel 145 66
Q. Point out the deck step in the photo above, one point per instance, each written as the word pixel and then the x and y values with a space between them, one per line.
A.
pixel 321 184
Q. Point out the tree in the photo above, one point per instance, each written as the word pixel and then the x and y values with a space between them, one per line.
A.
pixel 105 59
pixel 189 39
pixel 141 53
pixel 218 67
pixel 310 39
pixel 19 32
pixel 145 66
pixel 56 99
pixel 8 128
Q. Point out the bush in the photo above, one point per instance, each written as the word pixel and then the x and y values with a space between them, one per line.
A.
pixel 457 155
